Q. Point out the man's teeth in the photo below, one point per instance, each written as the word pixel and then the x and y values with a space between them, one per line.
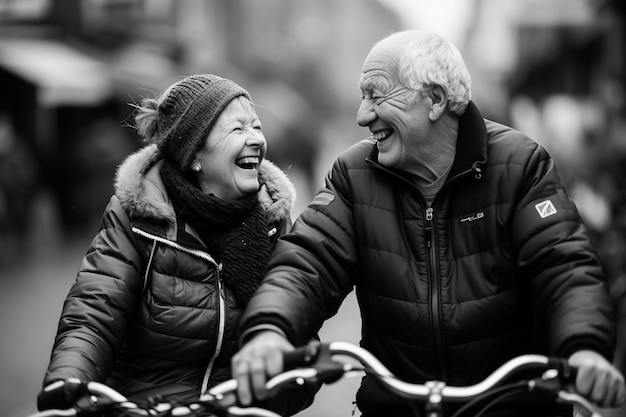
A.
pixel 378 136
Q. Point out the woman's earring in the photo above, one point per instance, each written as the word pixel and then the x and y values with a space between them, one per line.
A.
pixel 197 167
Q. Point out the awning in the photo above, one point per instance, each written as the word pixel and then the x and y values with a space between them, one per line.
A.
pixel 62 74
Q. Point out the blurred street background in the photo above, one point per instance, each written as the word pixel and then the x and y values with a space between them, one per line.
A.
pixel 69 69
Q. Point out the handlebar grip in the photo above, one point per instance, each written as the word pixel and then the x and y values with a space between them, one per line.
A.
pixel 61 394
pixel 301 356
pixel 567 373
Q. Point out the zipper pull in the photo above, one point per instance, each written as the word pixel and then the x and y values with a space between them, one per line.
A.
pixel 429 214
pixel 220 284
pixel 220 281
pixel 429 227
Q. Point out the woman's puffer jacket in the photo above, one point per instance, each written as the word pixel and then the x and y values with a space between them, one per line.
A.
pixel 499 265
pixel 148 307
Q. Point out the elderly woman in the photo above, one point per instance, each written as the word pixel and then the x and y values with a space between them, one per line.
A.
pixel 181 248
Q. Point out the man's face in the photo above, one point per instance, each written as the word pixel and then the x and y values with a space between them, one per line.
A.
pixel 397 124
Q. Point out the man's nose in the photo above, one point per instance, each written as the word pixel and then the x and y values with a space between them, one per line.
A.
pixel 366 114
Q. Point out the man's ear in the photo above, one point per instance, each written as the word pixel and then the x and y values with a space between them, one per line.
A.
pixel 439 98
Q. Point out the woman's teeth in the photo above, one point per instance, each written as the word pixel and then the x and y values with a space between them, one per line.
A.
pixel 247 162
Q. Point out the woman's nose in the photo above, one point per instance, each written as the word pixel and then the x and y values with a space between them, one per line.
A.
pixel 366 114
pixel 256 139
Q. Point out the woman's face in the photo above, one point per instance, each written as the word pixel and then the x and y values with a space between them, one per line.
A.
pixel 233 152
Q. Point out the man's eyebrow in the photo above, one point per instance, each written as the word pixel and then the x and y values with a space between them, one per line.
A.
pixel 370 83
pixel 363 83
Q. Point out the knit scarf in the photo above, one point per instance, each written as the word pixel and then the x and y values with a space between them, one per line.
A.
pixel 234 231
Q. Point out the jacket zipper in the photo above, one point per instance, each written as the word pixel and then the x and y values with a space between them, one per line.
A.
pixel 434 291
pixel 221 294
pixel 195 252
pixel 220 331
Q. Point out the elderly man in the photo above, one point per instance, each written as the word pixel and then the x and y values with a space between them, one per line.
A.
pixel 458 236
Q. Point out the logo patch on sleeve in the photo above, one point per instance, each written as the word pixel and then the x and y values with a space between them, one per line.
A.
pixel 545 209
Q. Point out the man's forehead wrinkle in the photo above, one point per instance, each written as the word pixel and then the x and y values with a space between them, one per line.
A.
pixel 380 64
pixel 376 78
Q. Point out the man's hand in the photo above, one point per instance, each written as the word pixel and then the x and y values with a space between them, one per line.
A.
pixel 597 379
pixel 257 361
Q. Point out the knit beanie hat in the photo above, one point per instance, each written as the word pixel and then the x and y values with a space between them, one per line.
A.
pixel 188 111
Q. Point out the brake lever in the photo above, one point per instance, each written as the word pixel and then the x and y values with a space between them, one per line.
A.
pixel 558 383
pixel 328 370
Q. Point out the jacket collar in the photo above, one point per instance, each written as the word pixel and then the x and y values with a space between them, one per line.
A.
pixel 471 145
pixel 141 191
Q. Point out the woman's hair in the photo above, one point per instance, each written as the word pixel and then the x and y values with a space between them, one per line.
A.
pixel 430 60
pixel 146 119
pixel 245 102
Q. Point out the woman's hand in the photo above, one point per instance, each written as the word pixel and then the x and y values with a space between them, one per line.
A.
pixel 61 394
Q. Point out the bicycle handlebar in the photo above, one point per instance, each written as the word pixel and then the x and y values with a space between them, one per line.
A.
pixel 319 362
pixel 421 391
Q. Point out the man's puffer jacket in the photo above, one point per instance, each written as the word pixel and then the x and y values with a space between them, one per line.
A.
pixel 148 307
pixel 499 265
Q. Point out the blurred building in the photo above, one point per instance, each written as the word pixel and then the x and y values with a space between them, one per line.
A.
pixel 70 68
pixel 560 76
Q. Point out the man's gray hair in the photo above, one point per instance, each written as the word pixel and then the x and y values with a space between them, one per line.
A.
pixel 428 60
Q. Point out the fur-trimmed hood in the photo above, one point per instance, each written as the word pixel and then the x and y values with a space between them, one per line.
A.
pixel 141 191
